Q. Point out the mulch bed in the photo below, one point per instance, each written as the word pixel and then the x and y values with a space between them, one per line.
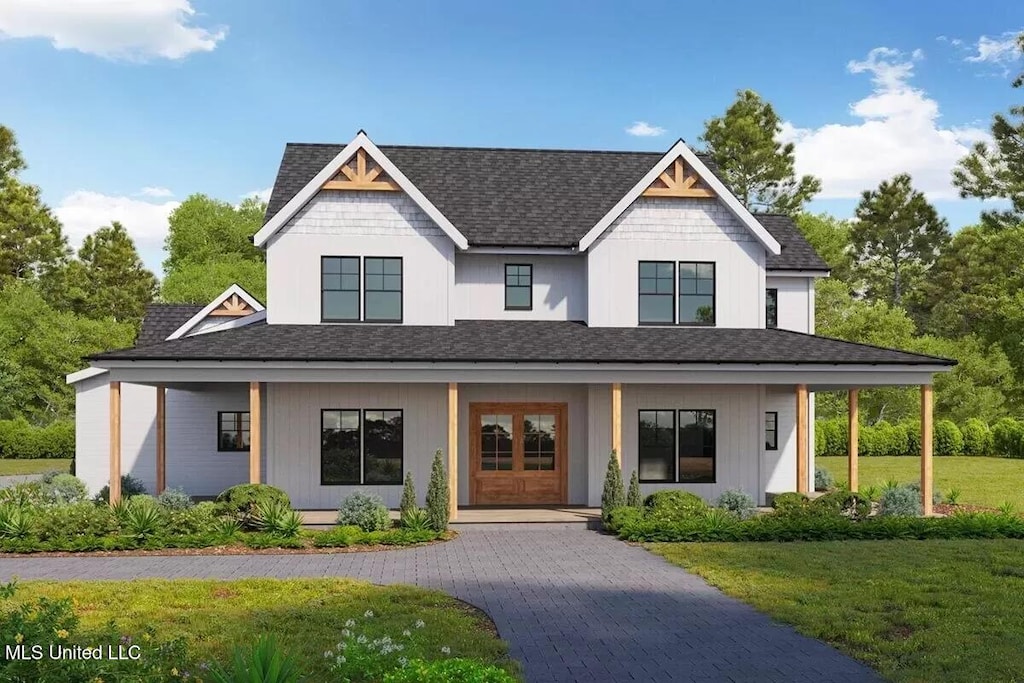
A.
pixel 947 509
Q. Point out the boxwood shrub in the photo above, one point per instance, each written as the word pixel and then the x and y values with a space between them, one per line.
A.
pixel 20 439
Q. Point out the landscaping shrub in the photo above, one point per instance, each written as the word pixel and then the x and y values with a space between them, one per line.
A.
pixel 130 486
pixel 623 516
pixel 416 519
pixel 408 502
pixel 275 517
pixel 448 671
pixel 674 502
pixel 977 437
pixel 947 439
pixel 1006 437
pixel 913 428
pixel 265 661
pixel 823 479
pixel 65 489
pixel 142 519
pixel 364 510
pixel 15 521
pixel 75 520
pixel 26 494
pixel 900 501
pixel 738 502
pixel 791 499
pixel 20 439
pixel 438 501
pixel 846 503
pixel 240 502
pixel 634 498
pixel 175 499
pixel 613 495
pixel 198 519
pixel 831 438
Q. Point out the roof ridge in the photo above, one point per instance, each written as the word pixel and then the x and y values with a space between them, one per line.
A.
pixel 493 149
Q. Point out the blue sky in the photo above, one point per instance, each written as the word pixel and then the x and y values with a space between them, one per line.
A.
pixel 122 111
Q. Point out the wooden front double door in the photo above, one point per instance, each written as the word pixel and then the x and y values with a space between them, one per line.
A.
pixel 517 454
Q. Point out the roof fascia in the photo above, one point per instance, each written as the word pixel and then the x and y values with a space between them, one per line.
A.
pixel 82 375
pixel 790 272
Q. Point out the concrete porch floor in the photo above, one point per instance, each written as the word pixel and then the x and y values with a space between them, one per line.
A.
pixel 487 515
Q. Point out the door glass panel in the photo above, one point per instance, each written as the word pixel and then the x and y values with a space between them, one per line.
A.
pixel 495 442
pixel 538 442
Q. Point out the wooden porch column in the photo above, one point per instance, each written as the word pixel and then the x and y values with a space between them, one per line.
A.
pixel 617 421
pixel 926 449
pixel 801 438
pixel 115 442
pixel 453 450
pixel 854 436
pixel 255 429
pixel 161 439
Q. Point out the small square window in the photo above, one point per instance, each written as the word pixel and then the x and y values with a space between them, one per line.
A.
pixel 232 431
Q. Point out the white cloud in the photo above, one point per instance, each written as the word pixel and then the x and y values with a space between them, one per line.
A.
pixel 1002 51
pixel 645 130
pixel 83 211
pixel 262 195
pixel 898 132
pixel 116 29
pixel 155 192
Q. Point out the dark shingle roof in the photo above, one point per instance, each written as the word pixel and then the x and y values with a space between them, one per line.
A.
pixel 797 252
pixel 517 197
pixel 517 341
pixel 161 320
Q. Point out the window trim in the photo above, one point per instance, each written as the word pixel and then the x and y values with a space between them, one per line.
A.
pixel 341 410
pixel 238 429
pixel 359 298
pixel 528 307
pixel 767 323
pixel 674 296
pixel 675 445
pixel 714 295
pixel 362 447
pixel 774 445
pixel 401 292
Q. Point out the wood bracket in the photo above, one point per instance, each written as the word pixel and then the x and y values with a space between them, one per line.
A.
pixel 356 174
pixel 679 180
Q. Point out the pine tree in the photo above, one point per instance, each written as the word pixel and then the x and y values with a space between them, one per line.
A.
pixel 633 498
pixel 614 495
pixel 408 503
pixel 437 495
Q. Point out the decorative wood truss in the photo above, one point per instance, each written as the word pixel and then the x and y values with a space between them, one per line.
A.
pixel 357 174
pixel 679 180
pixel 234 306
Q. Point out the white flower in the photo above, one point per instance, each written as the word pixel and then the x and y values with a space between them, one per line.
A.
pixel 345 633
pixel 350 623
pixel 407 633
pixel 368 614
pixel 399 647
pixel 328 654
pixel 341 659
pixel 446 650
pixel 362 640
pixel 402 661
pixel 342 646
pixel 419 623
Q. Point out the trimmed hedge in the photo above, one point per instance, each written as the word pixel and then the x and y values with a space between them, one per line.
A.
pixel 22 440
pixel 1003 439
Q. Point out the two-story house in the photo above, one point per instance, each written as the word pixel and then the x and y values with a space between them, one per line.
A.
pixel 525 311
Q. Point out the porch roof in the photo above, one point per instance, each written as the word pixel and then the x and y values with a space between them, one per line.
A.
pixel 513 341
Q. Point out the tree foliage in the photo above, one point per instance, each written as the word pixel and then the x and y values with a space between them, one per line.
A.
pixel 200 283
pixel 758 168
pixel 830 237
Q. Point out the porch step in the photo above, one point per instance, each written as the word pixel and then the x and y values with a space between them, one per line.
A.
pixel 478 515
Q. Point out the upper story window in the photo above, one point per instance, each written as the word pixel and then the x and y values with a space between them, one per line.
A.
pixel 518 287
pixel 696 293
pixel 657 292
pixel 661 303
pixel 383 295
pixel 340 289
pixel 771 308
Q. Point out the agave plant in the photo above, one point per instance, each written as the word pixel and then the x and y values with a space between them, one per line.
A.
pixel 276 517
pixel 416 519
pixel 15 521
pixel 143 520
pixel 264 662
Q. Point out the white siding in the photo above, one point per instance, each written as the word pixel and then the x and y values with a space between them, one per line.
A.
pixel 360 224
pixel 738 429
pixel 676 230
pixel 796 302
pixel 779 468
pixel 559 287
pixel 193 462
pixel 293 446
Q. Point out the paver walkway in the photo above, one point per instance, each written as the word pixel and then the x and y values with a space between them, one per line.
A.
pixel 573 604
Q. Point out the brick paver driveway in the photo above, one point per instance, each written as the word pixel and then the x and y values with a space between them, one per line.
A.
pixel 574 605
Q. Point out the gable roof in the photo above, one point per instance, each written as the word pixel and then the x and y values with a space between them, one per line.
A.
pixel 234 290
pixel 505 197
pixel 518 341
pixel 160 320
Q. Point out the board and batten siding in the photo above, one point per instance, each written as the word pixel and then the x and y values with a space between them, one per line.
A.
pixel 360 224
pixel 796 302
pixel 660 229
pixel 293 446
pixel 575 395
pixel 559 287
pixel 193 462
pixel 739 433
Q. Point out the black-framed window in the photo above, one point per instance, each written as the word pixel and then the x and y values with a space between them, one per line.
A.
pixel 518 287
pixel 771 308
pixel 656 292
pixel 361 446
pixel 232 431
pixel 382 446
pixel 677 446
pixel 339 288
pixel 696 293
pixel 382 296
pixel 771 431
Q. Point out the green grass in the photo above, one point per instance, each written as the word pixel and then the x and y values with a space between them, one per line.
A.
pixel 982 481
pixel 305 615
pixel 914 610
pixel 14 466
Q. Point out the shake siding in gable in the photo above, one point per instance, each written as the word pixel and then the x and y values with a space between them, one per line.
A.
pixel 344 223
pixel 654 229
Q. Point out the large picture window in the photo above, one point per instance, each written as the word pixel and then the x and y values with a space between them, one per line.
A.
pixel 361 447
pixel 696 293
pixel 339 288
pixel 677 446
pixel 771 308
pixel 232 431
pixel 518 287
pixel 657 291
pixel 383 295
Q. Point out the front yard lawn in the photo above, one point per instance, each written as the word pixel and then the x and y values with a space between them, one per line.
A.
pixel 11 466
pixel 989 482
pixel 306 616
pixel 914 610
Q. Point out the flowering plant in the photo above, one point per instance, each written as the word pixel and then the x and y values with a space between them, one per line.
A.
pixel 359 656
